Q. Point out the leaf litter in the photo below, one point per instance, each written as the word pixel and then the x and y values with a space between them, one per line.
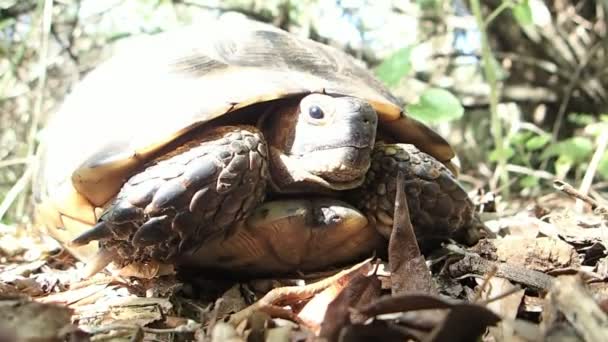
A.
pixel 543 276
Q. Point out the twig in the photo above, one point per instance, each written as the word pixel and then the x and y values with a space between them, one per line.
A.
pixel 592 168
pixel 185 328
pixel 507 293
pixel 14 161
pixel 530 172
pixel 486 282
pixel 503 6
pixel 15 191
pixel 571 191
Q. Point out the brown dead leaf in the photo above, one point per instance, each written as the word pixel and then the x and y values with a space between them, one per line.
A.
pixel 579 228
pixel 506 307
pixel 73 296
pixel 524 224
pixel 20 270
pixel 231 301
pixel 464 322
pixel 543 254
pixel 569 297
pixel 297 294
pixel 409 272
pixel 404 303
pixel 23 320
pixel 337 315
pixel 9 291
pixel 378 331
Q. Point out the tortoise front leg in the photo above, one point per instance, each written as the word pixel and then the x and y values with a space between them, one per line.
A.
pixel 439 207
pixel 195 191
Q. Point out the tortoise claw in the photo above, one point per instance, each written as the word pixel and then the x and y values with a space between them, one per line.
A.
pixel 102 259
pixel 99 232
pixel 153 231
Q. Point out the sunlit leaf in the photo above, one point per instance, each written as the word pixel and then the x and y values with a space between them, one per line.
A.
pixel 523 13
pixel 501 154
pixel 436 105
pixel 395 67
pixel 537 142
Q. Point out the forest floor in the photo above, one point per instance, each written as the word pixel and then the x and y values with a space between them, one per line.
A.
pixel 543 276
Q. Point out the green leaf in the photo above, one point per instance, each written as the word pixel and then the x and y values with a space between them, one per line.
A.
pixel 537 142
pixel 602 168
pixel 563 164
pixel 520 137
pixel 574 150
pixel 581 119
pixel 597 128
pixel 523 13
pixel 395 67
pixel 529 182
pixel 436 105
pixel 499 154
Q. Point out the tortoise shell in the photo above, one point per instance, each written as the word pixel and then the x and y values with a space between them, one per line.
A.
pixel 126 110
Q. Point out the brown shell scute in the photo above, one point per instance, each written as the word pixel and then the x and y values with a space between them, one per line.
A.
pixel 439 207
pixel 177 202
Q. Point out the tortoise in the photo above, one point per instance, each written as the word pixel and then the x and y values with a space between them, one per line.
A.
pixel 248 149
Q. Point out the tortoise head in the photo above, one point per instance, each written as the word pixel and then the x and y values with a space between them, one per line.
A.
pixel 320 142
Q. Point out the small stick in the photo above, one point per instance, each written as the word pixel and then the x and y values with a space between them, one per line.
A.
pixel 571 191
pixel 486 283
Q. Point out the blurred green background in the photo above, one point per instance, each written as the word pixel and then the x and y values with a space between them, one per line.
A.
pixel 518 87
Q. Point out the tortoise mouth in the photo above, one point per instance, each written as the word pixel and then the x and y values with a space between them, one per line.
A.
pixel 339 165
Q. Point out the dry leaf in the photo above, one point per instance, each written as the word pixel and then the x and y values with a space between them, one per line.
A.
pixel 23 320
pixel 409 272
pixel 506 307
pixel 542 254
pixel 337 314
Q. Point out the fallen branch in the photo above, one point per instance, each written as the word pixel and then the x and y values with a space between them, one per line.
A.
pixel 474 264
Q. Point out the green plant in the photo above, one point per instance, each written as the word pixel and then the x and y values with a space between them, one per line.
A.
pixel 435 105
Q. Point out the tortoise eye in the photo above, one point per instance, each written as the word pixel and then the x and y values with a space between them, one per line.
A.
pixel 316 112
